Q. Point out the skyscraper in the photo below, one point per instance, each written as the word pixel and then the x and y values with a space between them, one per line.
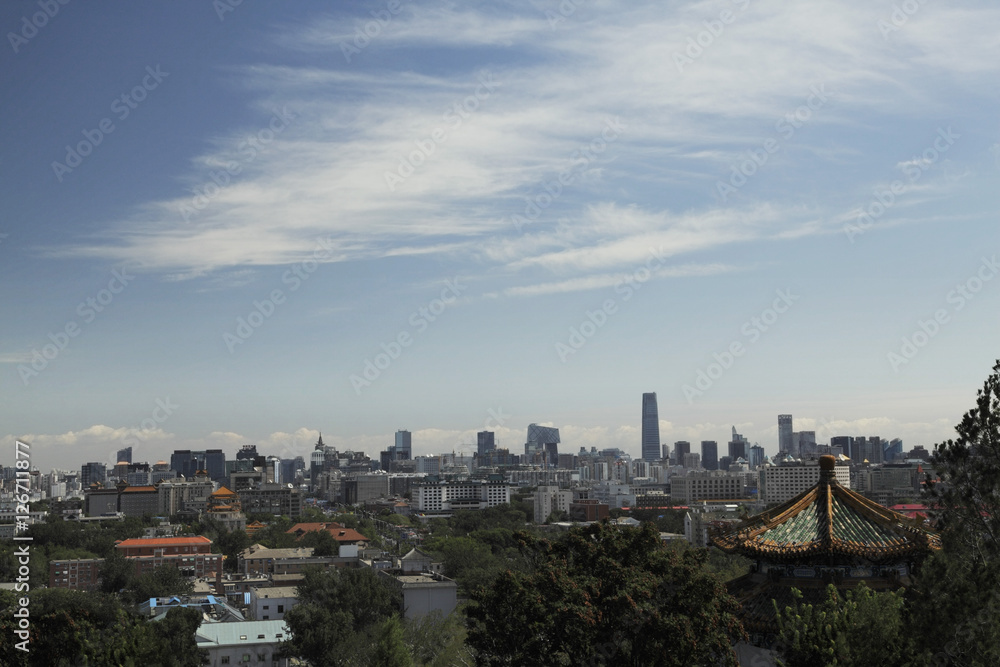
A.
pixel 785 435
pixel 681 447
pixel 485 442
pixel 709 455
pixel 124 455
pixel 542 439
pixel 404 449
pixel 738 447
pixel 91 473
pixel 650 428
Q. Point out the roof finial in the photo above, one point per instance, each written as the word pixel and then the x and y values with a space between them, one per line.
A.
pixel 827 467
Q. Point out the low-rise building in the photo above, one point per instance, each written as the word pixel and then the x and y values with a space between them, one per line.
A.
pixel 782 482
pixel 275 499
pixel 549 499
pixel 81 574
pixel 424 593
pixel 707 485
pixel 243 643
pixel 271 603
pixel 434 496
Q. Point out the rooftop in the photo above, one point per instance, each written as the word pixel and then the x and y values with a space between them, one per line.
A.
pixel 828 520
pixel 163 541
pixel 241 633
pixel 339 533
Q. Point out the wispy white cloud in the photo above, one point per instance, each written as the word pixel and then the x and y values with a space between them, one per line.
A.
pixel 341 168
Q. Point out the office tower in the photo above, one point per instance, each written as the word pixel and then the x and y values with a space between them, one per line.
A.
pixel 666 451
pixel 250 451
pixel 187 462
pixel 485 442
pixel 542 439
pixel 404 449
pixel 710 454
pixel 756 459
pixel 805 443
pixel 894 450
pixel 124 455
pixel 92 473
pixel 737 447
pixel 681 447
pixel 691 461
pixel 785 435
pixel 843 442
pixel 650 428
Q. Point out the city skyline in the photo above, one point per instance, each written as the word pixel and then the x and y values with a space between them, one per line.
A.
pixel 303 443
pixel 247 223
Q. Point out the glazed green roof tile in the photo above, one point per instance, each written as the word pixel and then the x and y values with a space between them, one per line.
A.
pixel 829 522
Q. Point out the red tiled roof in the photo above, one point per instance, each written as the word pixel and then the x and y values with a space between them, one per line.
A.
pixel 163 541
pixel 338 532
pixel 139 489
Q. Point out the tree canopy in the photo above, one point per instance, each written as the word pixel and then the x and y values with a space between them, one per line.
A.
pixel 957 597
pixel 607 593
pixel 340 616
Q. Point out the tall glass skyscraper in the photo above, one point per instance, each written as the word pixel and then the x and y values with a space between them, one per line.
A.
pixel 650 428
pixel 785 443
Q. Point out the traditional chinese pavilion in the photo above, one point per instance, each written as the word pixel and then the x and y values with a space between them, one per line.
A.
pixel 828 534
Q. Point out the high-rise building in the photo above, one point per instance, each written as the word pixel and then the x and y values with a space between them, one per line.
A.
pixel 92 473
pixel 125 455
pixel 843 442
pixel 187 462
pixel 404 448
pixel 485 442
pixel 756 456
pixel 709 455
pixel 737 447
pixel 543 439
pixel 665 455
pixel 681 447
pixel 894 450
pixel 785 443
pixel 650 428
pixel 805 443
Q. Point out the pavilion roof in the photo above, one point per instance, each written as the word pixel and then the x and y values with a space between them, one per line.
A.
pixel 828 520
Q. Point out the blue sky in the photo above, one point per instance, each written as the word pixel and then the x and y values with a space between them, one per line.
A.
pixel 503 213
